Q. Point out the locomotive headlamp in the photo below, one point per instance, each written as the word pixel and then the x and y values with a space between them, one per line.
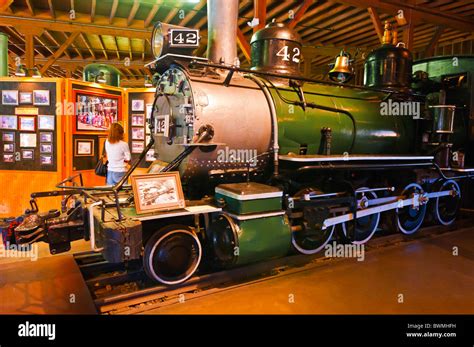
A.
pixel 173 39
pixel 342 71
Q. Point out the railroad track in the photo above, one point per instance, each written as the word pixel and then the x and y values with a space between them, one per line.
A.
pixel 120 289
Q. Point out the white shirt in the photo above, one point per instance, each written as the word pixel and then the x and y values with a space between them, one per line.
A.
pixel 117 154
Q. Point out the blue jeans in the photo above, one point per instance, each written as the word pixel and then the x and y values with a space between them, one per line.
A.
pixel 114 177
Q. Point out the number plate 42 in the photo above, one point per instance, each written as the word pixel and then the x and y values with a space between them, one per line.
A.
pixel 184 38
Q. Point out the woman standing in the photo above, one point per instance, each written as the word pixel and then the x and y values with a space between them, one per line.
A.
pixel 118 154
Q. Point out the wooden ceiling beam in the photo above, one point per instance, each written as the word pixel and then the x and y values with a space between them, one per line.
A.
pixel 59 52
pixel 30 7
pixel 73 45
pixel 117 47
pixel 55 42
pixel 51 9
pixel 377 23
pixel 419 13
pixel 6 6
pixel 93 8
pixel 130 53
pixel 133 12
pixel 113 11
pixel 434 40
pixel 87 44
pixel 300 13
pixel 260 12
pixel 82 23
pixel 151 15
pixel 102 46
pixel 243 44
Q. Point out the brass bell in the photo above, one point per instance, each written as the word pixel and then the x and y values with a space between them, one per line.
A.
pixel 342 71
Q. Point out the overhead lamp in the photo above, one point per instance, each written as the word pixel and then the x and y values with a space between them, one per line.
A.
pixel 35 73
pixel 148 82
pixel 21 71
pixel 100 78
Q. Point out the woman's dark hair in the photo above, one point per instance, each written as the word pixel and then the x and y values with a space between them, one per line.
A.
pixel 115 133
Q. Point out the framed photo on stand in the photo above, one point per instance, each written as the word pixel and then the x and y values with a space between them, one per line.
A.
pixel 157 192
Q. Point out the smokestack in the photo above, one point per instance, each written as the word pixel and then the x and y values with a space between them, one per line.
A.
pixel 222 31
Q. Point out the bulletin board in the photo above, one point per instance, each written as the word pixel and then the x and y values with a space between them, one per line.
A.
pixel 28 126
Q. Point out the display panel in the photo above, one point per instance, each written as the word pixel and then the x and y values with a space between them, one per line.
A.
pixel 28 125
pixel 95 111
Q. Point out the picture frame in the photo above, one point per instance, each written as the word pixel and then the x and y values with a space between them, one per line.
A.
pixel 9 148
pixel 138 120
pixel 46 148
pixel 46 137
pixel 46 122
pixel 8 137
pixel 26 98
pixel 46 159
pixel 9 122
pixel 28 140
pixel 138 146
pixel 8 158
pixel 95 111
pixel 150 155
pixel 27 123
pixel 9 97
pixel 149 110
pixel 138 133
pixel 28 154
pixel 157 192
pixel 41 97
pixel 84 147
pixel 138 105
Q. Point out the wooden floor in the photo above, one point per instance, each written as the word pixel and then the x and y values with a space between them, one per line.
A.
pixel 421 276
pixel 48 285
pixel 418 277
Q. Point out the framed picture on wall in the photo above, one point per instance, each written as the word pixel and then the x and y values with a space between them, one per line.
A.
pixel 137 146
pixel 9 97
pixel 9 147
pixel 83 148
pixel 8 122
pixel 46 137
pixel 46 148
pixel 26 98
pixel 8 137
pixel 27 123
pixel 46 160
pixel 138 120
pixel 28 154
pixel 95 112
pixel 138 105
pixel 150 155
pixel 41 97
pixel 46 122
pixel 138 134
pixel 9 158
pixel 27 140
pixel 149 109
pixel 157 192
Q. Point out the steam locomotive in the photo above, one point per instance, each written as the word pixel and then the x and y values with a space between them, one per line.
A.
pixel 272 162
